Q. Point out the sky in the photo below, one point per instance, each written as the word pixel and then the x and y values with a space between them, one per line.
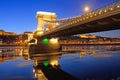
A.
pixel 19 15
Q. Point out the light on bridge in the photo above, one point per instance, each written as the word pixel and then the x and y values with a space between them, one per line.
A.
pixel 39 33
pixel 105 10
pixel 118 6
pixel 54 40
pixel 54 63
pixel 86 9
pixel 45 40
pixel 111 8
pixel 45 63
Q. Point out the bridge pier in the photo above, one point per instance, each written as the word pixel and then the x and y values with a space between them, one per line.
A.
pixel 45 45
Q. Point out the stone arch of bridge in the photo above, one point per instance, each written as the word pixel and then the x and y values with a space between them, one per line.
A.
pixel 42 21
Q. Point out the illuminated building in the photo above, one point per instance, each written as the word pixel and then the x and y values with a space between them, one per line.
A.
pixel 88 39
pixel 1 32
pixel 12 38
pixel 0 41
pixel 87 36
pixel 29 35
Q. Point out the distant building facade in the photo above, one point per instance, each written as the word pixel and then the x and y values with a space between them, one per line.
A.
pixel 87 36
pixel 24 38
pixel 13 38
pixel 88 39
pixel 2 32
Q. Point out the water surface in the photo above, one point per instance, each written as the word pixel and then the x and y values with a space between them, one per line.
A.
pixel 88 63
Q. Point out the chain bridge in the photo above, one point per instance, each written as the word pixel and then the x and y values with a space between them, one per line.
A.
pixel 103 19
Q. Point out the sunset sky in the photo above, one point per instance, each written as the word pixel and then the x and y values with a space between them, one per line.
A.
pixel 19 15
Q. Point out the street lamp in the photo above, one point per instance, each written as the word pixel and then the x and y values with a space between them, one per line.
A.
pixel 86 9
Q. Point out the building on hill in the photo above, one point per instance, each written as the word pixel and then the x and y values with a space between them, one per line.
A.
pixel 2 32
pixel 88 39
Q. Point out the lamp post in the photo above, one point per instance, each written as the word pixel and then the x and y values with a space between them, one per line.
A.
pixel 86 9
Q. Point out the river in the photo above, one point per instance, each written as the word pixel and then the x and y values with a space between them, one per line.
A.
pixel 88 62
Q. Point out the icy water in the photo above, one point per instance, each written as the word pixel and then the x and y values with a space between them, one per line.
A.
pixel 99 62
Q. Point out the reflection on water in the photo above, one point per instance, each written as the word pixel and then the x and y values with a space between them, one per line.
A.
pixel 18 50
pixel 46 67
pixel 14 64
pixel 90 47
pixel 93 63
pixel 43 61
pixel 74 63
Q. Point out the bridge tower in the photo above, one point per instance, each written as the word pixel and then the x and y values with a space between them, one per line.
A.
pixel 43 23
pixel 44 44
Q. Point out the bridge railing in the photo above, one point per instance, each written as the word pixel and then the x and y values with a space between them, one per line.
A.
pixel 107 8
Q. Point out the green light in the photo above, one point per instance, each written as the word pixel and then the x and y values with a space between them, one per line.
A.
pixel 45 40
pixel 45 63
